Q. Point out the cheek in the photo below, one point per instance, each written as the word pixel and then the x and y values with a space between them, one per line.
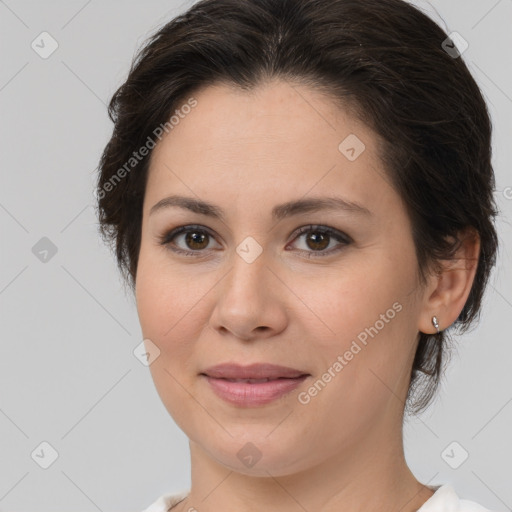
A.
pixel 171 304
pixel 365 291
pixel 164 294
pixel 165 305
pixel 367 315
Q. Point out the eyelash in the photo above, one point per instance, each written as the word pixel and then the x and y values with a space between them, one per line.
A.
pixel 166 238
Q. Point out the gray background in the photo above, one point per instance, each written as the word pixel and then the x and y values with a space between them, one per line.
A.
pixel 68 375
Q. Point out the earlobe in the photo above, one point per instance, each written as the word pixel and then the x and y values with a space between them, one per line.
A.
pixel 436 324
pixel 452 285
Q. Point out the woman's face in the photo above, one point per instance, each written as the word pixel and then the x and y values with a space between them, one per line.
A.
pixel 342 307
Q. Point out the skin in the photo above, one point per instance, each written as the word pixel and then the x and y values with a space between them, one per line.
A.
pixel 247 152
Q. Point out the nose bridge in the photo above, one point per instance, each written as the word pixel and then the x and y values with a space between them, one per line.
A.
pixel 248 301
pixel 249 268
pixel 245 296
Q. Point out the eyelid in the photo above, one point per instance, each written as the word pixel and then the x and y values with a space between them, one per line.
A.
pixel 342 238
pixel 167 236
pixel 336 233
pixel 339 236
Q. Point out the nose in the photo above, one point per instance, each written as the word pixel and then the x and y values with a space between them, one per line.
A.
pixel 250 301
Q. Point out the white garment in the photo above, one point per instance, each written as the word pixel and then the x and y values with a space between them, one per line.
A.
pixel 444 499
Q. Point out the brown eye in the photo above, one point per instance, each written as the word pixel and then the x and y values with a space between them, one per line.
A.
pixel 319 238
pixel 317 241
pixel 187 240
pixel 196 240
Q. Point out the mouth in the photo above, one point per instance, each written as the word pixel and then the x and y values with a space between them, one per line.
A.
pixel 253 385
pixel 255 381
pixel 254 372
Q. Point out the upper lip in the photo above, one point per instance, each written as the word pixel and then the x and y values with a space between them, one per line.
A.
pixel 252 371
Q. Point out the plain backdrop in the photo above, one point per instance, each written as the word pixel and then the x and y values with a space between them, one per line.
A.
pixel 73 396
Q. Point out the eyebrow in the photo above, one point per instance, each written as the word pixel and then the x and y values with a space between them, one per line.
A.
pixel 279 212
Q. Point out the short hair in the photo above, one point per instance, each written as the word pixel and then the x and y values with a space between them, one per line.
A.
pixel 386 61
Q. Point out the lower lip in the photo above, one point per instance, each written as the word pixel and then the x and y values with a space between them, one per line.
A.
pixel 248 394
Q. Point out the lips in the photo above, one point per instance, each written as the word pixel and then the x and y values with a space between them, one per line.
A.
pixel 257 372
pixel 254 385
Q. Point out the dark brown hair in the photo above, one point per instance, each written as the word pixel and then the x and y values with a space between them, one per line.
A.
pixel 383 59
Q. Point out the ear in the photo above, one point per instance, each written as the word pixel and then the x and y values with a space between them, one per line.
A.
pixel 448 290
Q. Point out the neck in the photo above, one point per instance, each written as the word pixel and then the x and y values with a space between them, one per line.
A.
pixel 369 476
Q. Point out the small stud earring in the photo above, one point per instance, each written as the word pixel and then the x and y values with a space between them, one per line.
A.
pixel 436 323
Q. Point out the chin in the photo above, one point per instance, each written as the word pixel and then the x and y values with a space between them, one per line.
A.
pixel 259 454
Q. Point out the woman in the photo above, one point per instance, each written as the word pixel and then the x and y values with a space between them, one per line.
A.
pixel 300 194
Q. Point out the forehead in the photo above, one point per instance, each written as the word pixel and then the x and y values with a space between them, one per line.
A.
pixel 278 139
